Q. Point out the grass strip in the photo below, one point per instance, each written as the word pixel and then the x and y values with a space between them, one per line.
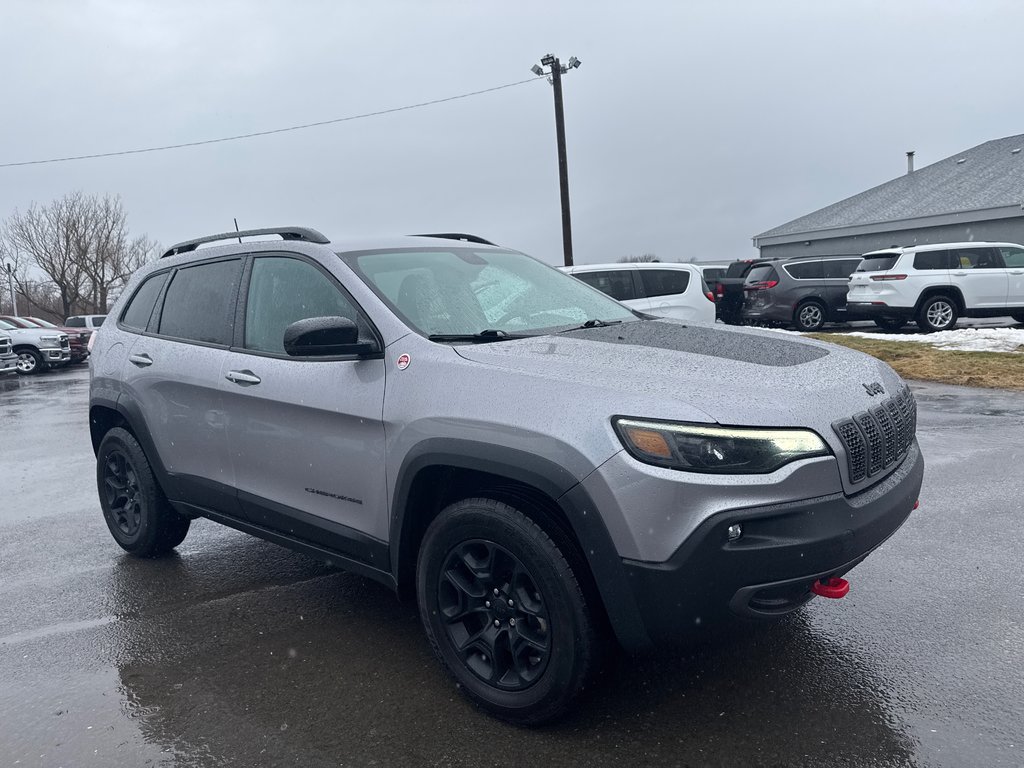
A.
pixel 994 370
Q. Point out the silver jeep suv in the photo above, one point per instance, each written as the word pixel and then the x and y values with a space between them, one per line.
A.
pixel 535 463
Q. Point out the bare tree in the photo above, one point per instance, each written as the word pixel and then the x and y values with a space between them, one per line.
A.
pixel 80 244
pixel 643 258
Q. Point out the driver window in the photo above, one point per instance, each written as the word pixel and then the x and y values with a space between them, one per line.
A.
pixel 283 290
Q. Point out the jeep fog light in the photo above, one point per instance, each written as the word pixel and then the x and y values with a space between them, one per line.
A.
pixel 716 450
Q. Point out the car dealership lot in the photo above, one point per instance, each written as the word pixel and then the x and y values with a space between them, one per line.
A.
pixel 237 652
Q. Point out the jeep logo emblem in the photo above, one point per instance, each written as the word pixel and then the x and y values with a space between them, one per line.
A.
pixel 874 388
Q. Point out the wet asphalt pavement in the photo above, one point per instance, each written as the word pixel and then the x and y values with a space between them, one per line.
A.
pixel 238 652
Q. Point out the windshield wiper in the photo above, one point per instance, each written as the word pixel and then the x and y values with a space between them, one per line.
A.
pixel 595 323
pixel 482 337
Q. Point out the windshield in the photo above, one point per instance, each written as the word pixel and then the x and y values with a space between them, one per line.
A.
pixel 5 326
pixel 467 291
pixel 40 323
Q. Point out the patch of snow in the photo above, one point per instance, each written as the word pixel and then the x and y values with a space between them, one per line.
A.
pixel 961 339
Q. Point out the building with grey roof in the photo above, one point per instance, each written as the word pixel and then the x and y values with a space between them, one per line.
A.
pixel 973 195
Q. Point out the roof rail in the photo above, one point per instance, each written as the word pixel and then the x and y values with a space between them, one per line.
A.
pixel 286 233
pixel 456 236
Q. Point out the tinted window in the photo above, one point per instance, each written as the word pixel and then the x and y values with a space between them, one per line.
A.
pixel 932 260
pixel 762 273
pixel 711 274
pixel 75 322
pixel 878 263
pixel 839 269
pixel 136 314
pixel 200 302
pixel 664 282
pixel 617 283
pixel 977 258
pixel 1013 257
pixel 805 270
pixel 98 320
pixel 284 290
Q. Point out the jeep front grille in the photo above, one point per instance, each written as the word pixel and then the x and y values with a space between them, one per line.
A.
pixel 876 439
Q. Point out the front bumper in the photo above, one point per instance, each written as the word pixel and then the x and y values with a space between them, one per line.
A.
pixel 55 356
pixel 769 570
pixel 873 310
pixel 8 364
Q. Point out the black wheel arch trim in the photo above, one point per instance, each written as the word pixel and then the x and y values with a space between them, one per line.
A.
pixel 609 573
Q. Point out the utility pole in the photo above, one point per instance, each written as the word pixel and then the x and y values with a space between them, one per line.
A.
pixel 557 69
pixel 10 287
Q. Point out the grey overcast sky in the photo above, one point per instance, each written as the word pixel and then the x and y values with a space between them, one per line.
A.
pixel 691 125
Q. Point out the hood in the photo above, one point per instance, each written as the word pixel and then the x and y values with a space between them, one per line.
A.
pixel 736 376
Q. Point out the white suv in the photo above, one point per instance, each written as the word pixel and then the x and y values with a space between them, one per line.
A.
pixel 938 284
pixel 664 290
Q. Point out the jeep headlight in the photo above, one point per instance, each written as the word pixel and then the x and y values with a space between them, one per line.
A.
pixel 719 450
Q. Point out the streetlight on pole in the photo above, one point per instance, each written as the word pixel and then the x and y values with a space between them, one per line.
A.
pixel 10 287
pixel 556 69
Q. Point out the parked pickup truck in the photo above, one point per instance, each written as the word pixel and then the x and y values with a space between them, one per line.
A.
pixel 8 360
pixel 37 348
pixel 78 338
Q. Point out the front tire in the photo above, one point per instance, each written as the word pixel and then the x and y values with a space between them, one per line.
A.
pixel 30 362
pixel 937 313
pixel 139 517
pixel 809 317
pixel 504 611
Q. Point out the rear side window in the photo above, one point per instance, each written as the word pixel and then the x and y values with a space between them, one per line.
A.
pixel 878 263
pixel 616 283
pixel 284 290
pixel 839 269
pixel 805 270
pixel 977 258
pixel 664 282
pixel 762 273
pixel 98 321
pixel 75 322
pixel 136 315
pixel 200 302
pixel 1013 257
pixel 932 260
pixel 713 274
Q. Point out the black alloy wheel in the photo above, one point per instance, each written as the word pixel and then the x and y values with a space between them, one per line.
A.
pixel 121 485
pixel 494 614
pixel 503 605
pixel 137 513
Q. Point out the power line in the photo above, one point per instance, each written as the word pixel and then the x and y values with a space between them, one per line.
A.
pixel 270 132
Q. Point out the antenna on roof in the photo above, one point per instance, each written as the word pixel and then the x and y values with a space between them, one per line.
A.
pixel 236 228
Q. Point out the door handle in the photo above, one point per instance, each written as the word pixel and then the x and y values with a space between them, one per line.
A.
pixel 142 360
pixel 243 377
pixel 959 274
pixel 1017 271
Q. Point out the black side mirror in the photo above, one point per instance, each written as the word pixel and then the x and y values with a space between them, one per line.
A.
pixel 325 337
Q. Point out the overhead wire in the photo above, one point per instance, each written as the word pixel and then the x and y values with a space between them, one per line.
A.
pixel 270 132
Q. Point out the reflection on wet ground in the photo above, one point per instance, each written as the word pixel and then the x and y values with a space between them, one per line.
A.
pixel 237 652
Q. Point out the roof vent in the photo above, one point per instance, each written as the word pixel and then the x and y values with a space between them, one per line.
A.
pixel 1015 151
pixel 961 161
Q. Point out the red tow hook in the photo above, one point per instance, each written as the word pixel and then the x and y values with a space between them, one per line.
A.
pixel 833 587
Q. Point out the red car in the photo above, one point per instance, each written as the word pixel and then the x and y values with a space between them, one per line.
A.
pixel 78 338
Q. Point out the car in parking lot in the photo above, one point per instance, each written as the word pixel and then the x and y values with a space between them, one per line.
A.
pixel 804 292
pixel 536 464
pixel 38 349
pixel 92 322
pixel 661 289
pixel 78 339
pixel 938 284
pixel 8 359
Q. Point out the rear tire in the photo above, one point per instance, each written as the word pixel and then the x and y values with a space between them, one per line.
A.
pixel 139 517
pixel 809 316
pixel 504 611
pixel 937 313
pixel 889 323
